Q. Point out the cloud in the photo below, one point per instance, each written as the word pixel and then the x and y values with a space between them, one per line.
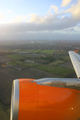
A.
pixel 69 30
pixel 19 19
pixel 74 10
pixel 61 23
pixel 55 8
pixel 49 22
pixel 65 3
pixel 62 17
pixel 1 16
pixel 43 19
pixel 77 29
pixel 35 18
pixel 55 24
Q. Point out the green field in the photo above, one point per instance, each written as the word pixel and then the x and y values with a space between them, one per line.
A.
pixel 14 56
pixel 44 51
pixel 12 63
pixel 56 62
pixel 65 59
pixel 22 63
pixel 39 51
pixel 62 52
pixel 50 64
pixel 47 51
pixel 24 50
pixel 27 50
pixel 58 70
pixel 36 51
pixel 55 69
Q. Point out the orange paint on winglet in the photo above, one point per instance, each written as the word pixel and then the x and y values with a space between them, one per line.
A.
pixel 76 51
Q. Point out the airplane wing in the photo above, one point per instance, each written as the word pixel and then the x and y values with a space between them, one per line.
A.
pixel 75 59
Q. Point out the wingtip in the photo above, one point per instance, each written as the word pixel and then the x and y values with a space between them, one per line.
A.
pixel 76 51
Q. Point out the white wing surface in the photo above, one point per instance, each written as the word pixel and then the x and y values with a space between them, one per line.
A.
pixel 75 59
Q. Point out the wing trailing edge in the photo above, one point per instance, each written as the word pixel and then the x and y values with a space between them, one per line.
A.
pixel 75 59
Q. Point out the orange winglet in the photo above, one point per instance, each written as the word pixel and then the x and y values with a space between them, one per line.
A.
pixel 76 51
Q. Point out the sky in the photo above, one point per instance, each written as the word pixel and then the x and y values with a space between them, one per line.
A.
pixel 39 19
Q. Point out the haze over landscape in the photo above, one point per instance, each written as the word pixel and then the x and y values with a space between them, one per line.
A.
pixel 40 20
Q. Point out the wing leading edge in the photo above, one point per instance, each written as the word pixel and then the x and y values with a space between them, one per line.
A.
pixel 75 59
